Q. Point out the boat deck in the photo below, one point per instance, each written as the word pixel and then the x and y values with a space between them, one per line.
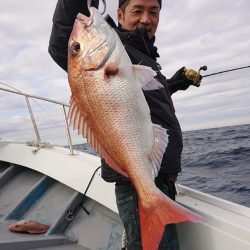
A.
pixel 27 194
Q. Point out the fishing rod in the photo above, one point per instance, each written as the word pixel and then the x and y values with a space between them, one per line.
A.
pixel 196 76
pixel 225 71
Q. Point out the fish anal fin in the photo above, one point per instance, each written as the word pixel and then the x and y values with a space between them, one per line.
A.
pixel 154 219
pixel 159 147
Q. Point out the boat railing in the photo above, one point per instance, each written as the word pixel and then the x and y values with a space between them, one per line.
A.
pixel 33 120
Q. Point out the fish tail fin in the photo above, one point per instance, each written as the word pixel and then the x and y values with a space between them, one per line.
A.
pixel 154 218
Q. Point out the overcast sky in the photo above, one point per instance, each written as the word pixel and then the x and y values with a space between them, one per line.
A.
pixel 191 33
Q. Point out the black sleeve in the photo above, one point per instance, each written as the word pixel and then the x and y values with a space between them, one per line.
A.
pixel 63 21
pixel 170 87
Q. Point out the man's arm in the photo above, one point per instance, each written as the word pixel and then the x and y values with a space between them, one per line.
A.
pixel 63 21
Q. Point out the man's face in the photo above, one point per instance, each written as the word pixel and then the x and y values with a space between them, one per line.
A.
pixel 140 14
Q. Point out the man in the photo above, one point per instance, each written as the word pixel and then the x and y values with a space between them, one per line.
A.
pixel 138 21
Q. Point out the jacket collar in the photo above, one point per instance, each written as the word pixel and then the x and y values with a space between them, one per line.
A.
pixel 139 39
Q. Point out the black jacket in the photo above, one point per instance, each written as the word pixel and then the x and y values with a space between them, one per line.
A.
pixel 141 51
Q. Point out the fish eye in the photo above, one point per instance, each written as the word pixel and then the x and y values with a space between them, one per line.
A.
pixel 75 48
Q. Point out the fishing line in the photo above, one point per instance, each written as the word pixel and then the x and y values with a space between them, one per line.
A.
pixel 55 123
pixel 6 85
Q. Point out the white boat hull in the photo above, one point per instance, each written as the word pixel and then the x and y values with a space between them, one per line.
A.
pixel 227 227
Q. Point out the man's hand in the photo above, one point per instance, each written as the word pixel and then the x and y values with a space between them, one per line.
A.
pixel 163 181
pixel 179 81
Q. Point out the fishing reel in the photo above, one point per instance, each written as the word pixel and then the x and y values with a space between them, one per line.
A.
pixel 194 76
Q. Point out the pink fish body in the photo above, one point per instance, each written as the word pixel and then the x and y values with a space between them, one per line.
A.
pixel 31 227
pixel 109 109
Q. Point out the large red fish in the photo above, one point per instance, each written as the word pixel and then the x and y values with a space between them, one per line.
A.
pixel 109 109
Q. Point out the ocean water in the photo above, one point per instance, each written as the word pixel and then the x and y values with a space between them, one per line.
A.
pixel 215 161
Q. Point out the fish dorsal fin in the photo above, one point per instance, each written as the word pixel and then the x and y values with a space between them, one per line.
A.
pixel 145 77
pixel 78 121
pixel 159 147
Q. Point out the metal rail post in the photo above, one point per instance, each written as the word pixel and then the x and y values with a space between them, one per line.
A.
pixel 68 131
pixel 33 119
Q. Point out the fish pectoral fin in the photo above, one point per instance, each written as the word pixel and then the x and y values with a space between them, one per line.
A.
pixel 110 70
pixel 145 77
pixel 159 146
pixel 154 218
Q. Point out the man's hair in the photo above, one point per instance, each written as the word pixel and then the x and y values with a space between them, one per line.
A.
pixel 124 5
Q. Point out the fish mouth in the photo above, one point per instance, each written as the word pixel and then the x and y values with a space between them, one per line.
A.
pixel 85 23
pixel 101 44
pixel 84 20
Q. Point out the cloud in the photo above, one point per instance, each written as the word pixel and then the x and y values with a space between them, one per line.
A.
pixel 191 33
pixel 215 34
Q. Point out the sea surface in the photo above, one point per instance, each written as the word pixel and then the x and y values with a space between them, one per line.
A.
pixel 215 161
